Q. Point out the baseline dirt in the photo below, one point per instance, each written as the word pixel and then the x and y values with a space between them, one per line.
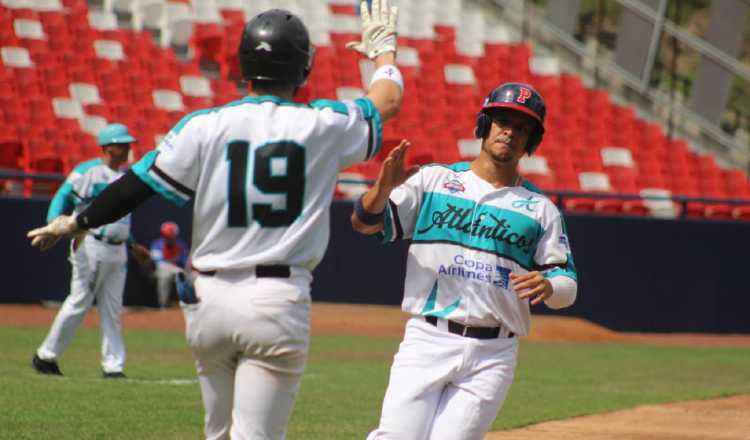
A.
pixel 720 419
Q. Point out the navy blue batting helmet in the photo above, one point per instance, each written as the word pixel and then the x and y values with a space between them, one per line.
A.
pixel 276 46
pixel 516 96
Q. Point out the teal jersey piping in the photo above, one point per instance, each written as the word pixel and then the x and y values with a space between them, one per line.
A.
pixel 141 169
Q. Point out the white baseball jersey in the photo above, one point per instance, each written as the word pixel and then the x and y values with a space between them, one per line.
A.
pixel 467 237
pixel 262 171
pixel 86 181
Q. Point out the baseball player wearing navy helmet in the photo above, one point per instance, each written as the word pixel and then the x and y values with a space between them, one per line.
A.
pixel 261 173
pixel 98 259
pixel 485 244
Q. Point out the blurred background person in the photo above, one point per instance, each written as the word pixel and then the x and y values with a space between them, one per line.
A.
pixel 170 256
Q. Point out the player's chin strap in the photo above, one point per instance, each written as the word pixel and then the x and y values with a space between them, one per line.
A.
pixel 389 72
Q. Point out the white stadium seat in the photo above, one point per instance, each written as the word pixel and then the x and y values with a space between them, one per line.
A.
pixel 103 20
pixel 594 181
pixel 197 86
pixel 349 93
pixel 31 29
pixel 169 100
pixel 109 49
pixel 534 165
pixel 92 124
pixel 617 156
pixel 469 148
pixel 459 74
pixel 16 57
pixel 85 93
pixel 67 108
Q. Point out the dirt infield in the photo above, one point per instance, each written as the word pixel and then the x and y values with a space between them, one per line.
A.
pixel 721 419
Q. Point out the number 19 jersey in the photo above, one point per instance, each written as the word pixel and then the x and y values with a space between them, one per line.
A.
pixel 262 173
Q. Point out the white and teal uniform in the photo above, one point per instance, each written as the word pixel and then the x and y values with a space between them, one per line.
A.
pixel 99 265
pixel 467 237
pixel 261 172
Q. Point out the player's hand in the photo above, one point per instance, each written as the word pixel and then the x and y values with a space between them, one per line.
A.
pixel 142 255
pixel 378 29
pixel 531 285
pixel 46 236
pixel 393 172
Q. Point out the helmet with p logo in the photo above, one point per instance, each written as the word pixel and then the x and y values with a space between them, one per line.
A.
pixel 515 96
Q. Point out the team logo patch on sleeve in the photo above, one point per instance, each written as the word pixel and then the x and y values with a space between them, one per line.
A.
pixel 454 184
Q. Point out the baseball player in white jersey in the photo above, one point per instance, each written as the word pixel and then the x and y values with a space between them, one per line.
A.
pixel 99 259
pixel 261 172
pixel 485 243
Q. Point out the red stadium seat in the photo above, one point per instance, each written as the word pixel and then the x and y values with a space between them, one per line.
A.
pixel 695 210
pixel 741 213
pixel 718 212
pixel 578 205
pixel 608 206
pixel 635 207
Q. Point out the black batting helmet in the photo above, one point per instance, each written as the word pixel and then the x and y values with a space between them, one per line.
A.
pixel 516 96
pixel 276 46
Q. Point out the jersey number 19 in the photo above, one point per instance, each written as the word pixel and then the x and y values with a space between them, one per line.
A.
pixel 288 180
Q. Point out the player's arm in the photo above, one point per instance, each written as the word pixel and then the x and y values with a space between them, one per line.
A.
pixel 555 279
pixel 63 202
pixel 170 170
pixel 141 253
pixel 367 217
pixel 117 200
pixel 379 44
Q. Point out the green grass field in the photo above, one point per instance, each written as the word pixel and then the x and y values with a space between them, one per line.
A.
pixel 342 388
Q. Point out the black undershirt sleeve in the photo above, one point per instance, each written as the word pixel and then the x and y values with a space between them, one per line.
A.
pixel 118 199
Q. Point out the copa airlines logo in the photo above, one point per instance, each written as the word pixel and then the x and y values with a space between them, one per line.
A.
pixel 469 269
pixel 264 46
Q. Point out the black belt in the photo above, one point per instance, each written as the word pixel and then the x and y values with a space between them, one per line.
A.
pixel 107 240
pixel 468 331
pixel 274 271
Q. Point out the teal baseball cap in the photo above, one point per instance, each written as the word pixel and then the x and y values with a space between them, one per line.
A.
pixel 115 134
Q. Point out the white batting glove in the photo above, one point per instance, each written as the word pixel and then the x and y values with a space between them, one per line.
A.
pixel 46 236
pixel 378 29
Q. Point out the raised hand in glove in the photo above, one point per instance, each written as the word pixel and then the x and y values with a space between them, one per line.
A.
pixel 378 29
pixel 46 236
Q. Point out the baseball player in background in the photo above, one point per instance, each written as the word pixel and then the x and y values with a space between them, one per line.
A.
pixel 261 172
pixel 485 243
pixel 170 257
pixel 98 258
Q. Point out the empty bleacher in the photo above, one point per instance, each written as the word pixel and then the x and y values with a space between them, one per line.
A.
pixel 68 67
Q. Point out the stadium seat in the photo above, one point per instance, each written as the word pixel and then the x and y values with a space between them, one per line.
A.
pixel 635 207
pixel 578 204
pixel 450 57
pixel 741 213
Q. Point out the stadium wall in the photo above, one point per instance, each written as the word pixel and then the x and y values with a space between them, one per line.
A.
pixel 635 274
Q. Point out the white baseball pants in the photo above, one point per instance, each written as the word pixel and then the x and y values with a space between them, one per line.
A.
pixel 250 338
pixel 165 273
pixel 99 271
pixel 445 386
